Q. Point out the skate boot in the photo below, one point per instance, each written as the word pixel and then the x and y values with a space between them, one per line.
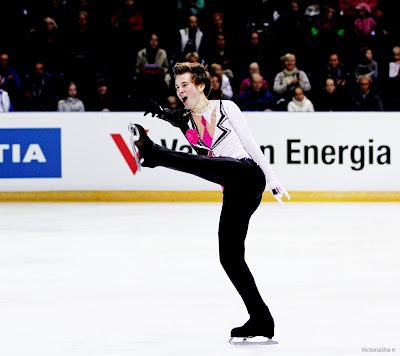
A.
pixel 255 327
pixel 147 148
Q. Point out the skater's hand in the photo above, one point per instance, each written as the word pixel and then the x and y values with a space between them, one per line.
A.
pixel 153 108
pixel 278 190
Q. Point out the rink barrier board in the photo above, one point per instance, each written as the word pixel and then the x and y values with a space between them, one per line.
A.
pixel 188 196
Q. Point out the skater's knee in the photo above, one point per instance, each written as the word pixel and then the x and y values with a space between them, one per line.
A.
pixel 229 261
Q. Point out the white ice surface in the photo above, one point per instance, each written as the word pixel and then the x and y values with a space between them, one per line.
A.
pixel 144 279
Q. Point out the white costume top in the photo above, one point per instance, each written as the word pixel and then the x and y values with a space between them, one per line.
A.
pixel 232 136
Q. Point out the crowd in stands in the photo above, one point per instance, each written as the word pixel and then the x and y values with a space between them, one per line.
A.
pixel 279 55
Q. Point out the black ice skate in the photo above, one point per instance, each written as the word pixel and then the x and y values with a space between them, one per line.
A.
pixel 259 329
pixel 139 139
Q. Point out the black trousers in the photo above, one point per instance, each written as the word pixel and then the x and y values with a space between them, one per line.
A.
pixel 244 183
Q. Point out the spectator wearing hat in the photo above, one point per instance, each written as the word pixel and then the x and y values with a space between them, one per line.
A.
pixel 364 24
pixel 348 7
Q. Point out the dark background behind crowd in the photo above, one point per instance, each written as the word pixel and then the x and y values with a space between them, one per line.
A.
pixel 115 55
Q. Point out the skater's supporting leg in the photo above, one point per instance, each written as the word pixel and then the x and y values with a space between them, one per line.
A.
pixel 236 213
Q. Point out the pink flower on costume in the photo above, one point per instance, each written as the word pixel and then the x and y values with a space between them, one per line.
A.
pixel 192 136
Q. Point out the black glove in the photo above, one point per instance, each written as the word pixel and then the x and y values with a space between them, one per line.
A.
pixel 153 108
pixel 177 118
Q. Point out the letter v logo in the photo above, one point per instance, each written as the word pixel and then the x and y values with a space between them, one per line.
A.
pixel 126 152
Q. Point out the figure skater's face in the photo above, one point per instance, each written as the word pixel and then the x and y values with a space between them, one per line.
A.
pixel 188 92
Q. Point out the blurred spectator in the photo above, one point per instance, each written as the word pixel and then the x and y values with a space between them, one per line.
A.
pixel 334 70
pixel 226 85
pixel 152 61
pixel 300 102
pixel 394 66
pixel 71 103
pixel 39 90
pixel 82 45
pixel 191 38
pixel 172 102
pixel 349 7
pixel 56 10
pixel 101 100
pixel 364 23
pixel 245 84
pixel 364 99
pixel 326 30
pixel 222 54
pixel 331 98
pixel 256 98
pixel 10 80
pixel 254 51
pixel 393 82
pixel 192 57
pixel 215 27
pixel 290 78
pixel 216 92
pixel 5 102
pixel 51 46
pixel 191 7
pixel 131 20
pixel 367 65
pixel 292 30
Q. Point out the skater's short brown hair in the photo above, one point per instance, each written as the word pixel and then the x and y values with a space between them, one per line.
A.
pixel 198 73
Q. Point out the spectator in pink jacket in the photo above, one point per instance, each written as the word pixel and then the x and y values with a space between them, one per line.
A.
pixel 254 68
pixel 364 24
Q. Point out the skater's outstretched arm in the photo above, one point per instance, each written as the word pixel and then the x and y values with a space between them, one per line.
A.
pixel 246 137
pixel 177 118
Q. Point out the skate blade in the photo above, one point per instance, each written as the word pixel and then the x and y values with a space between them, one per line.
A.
pixel 244 341
pixel 134 136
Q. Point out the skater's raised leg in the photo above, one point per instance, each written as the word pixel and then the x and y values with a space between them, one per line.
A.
pixel 225 171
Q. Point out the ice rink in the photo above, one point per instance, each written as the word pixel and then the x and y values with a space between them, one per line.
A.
pixel 144 279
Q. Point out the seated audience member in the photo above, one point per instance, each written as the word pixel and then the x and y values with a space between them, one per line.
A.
pixel 367 65
pixel 5 102
pixel 364 24
pixel 334 70
pixel 364 99
pixel 10 81
pixel 226 84
pixel 394 66
pixel 256 98
pixel 101 100
pixel 152 61
pixel 71 103
pixel 191 37
pixel 245 84
pixel 222 54
pixel 349 7
pixel 39 90
pixel 392 87
pixel 172 103
pixel 300 102
pixel 216 93
pixel 289 79
pixel 192 57
pixel 331 98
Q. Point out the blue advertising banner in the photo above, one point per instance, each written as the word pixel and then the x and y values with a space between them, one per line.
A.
pixel 30 153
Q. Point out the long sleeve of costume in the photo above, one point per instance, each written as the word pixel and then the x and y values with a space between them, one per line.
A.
pixel 239 123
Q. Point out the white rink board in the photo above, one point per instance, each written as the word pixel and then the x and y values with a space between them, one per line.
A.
pixel 90 159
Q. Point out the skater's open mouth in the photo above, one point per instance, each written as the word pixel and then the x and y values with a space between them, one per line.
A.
pixel 184 99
